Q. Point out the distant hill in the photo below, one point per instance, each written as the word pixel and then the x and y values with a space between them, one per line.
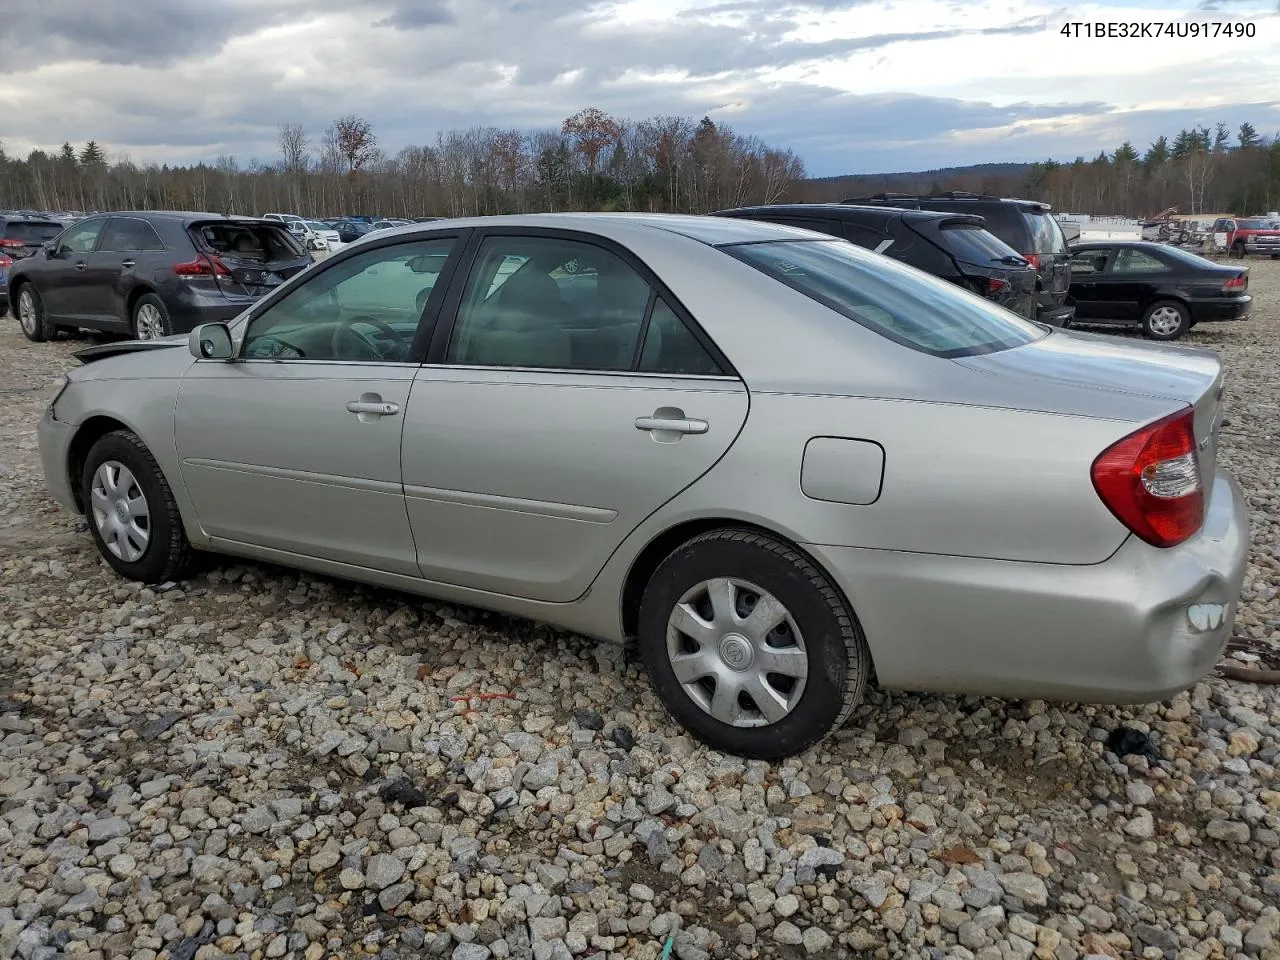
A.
pixel 995 178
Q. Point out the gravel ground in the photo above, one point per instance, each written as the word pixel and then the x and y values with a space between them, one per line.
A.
pixel 257 763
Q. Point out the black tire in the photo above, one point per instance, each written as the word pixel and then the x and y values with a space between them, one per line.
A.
pixel 1237 251
pixel 36 325
pixel 167 553
pixel 1160 309
pixel 839 662
pixel 142 314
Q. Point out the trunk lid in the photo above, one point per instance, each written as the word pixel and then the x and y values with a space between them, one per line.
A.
pixel 256 255
pixel 22 238
pixel 1183 375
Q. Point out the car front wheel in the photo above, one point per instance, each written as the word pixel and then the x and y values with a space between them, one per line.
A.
pixel 1166 320
pixel 749 645
pixel 35 322
pixel 132 514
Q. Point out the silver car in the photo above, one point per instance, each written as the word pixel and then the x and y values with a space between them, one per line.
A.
pixel 781 464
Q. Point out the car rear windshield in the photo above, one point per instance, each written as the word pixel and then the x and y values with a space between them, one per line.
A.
pixel 248 241
pixel 1046 237
pixel 1252 225
pixel 905 305
pixel 974 244
pixel 31 231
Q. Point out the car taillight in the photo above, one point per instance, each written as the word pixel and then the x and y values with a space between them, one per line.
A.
pixel 8 242
pixel 995 286
pixel 1236 284
pixel 202 266
pixel 1150 480
pixel 5 261
pixel 1033 259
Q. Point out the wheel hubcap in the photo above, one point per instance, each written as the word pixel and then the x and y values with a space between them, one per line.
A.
pixel 1165 320
pixel 120 511
pixel 27 311
pixel 737 652
pixel 150 324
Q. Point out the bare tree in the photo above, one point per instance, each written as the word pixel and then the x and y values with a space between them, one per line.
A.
pixel 294 147
pixel 592 131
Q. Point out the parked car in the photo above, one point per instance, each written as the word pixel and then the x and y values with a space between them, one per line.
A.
pixel 284 217
pixel 19 238
pixel 327 235
pixel 350 231
pixel 1163 290
pixel 1025 225
pixel 904 439
pixel 1249 235
pixel 954 247
pixel 151 274
pixel 426 219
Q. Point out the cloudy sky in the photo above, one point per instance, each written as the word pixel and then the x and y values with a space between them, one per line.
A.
pixel 854 86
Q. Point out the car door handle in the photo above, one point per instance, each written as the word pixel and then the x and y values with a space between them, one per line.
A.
pixel 128 263
pixel 81 265
pixel 379 408
pixel 670 420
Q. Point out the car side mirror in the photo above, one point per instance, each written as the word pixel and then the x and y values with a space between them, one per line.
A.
pixel 210 341
pixel 51 249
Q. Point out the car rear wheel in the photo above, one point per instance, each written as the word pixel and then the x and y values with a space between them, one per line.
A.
pixel 150 318
pixel 35 322
pixel 749 645
pixel 1166 320
pixel 132 514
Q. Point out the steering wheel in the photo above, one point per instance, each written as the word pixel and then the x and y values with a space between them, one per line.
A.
pixel 346 328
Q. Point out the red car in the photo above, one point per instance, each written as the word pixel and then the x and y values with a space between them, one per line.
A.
pixel 1249 235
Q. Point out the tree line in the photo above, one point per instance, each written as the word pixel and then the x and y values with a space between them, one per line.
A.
pixel 593 161
pixel 1198 171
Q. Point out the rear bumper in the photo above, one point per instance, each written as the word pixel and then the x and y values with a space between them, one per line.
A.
pixel 1059 316
pixel 194 308
pixel 1222 308
pixel 1137 628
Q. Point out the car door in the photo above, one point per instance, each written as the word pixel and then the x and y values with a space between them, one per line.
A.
pixel 1088 267
pixel 568 399
pixel 64 284
pixel 1132 283
pixel 112 269
pixel 294 446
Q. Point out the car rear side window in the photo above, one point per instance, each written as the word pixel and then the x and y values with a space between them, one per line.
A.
pixel 904 305
pixel 129 235
pixel 974 244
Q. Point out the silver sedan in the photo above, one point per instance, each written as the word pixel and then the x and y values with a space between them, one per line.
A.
pixel 783 465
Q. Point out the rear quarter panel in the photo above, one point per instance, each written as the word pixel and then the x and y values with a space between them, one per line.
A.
pixel 958 480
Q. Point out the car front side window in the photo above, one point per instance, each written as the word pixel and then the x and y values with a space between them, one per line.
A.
pixel 365 308
pixel 81 238
pixel 1136 261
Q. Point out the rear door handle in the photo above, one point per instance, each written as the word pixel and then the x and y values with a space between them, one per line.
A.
pixel 128 263
pixel 81 265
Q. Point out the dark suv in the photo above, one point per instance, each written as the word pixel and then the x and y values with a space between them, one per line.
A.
pixel 151 274
pixel 955 247
pixel 1025 225
pixel 20 237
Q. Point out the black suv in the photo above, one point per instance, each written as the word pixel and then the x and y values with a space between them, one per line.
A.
pixel 1025 225
pixel 955 247
pixel 151 274
pixel 20 237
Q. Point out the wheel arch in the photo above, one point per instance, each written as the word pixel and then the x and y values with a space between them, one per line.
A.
pixel 662 545
pixel 87 434
pixel 139 291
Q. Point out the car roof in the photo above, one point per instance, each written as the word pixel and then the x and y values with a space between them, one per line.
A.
pixel 852 211
pixel 958 196
pixel 186 216
pixel 710 230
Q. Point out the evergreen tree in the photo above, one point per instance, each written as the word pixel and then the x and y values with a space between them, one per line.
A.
pixel 92 156
pixel 1248 136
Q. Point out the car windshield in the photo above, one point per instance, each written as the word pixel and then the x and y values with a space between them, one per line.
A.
pixel 317 225
pixel 974 244
pixel 31 232
pixel 1252 225
pixel 1046 235
pixel 896 301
